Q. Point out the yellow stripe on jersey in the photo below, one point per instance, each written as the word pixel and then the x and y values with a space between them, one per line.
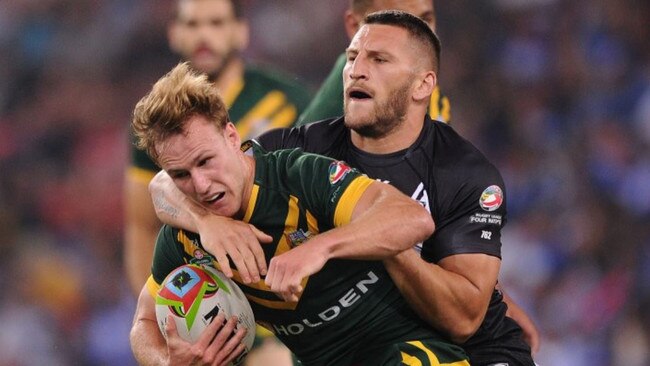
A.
pixel 349 199
pixel 272 304
pixel 188 244
pixel 285 117
pixel 139 174
pixel 252 201
pixel 312 223
pixel 433 360
pixel 410 360
pixel 434 106
pixel 262 112
pixel 445 113
pixel 232 93
pixel 152 286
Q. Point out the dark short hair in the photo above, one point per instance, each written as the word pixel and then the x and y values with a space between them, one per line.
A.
pixel 415 26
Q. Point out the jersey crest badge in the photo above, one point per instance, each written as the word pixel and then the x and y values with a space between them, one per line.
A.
pixel 491 198
pixel 337 171
pixel 298 237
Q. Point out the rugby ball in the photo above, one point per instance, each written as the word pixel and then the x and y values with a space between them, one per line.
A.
pixel 194 295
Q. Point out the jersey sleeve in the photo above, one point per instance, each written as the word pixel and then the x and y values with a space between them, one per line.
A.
pixel 167 254
pixel 469 216
pixel 328 101
pixel 329 189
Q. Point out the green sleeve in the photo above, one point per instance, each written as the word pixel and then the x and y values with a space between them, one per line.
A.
pixel 168 254
pixel 328 101
pixel 328 188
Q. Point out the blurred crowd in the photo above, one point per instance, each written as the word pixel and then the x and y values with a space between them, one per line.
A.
pixel 555 92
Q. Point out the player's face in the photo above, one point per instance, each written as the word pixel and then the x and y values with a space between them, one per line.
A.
pixel 207 166
pixel 207 34
pixel 378 79
pixel 422 9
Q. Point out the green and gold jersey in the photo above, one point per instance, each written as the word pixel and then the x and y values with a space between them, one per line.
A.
pixel 328 102
pixel 348 307
pixel 260 101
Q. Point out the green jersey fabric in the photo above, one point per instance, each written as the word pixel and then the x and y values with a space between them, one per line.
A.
pixel 328 102
pixel 346 309
pixel 262 100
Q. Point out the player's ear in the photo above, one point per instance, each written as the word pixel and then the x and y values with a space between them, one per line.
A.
pixel 352 23
pixel 424 86
pixel 231 135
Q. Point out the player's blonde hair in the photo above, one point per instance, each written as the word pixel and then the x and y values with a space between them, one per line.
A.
pixel 180 94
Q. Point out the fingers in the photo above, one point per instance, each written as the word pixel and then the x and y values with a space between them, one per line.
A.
pixel 225 343
pixel 238 243
pixel 285 282
pixel 170 328
pixel 211 331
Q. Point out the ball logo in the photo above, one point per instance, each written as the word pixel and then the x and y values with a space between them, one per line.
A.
pixel 186 288
pixel 337 171
pixel 491 198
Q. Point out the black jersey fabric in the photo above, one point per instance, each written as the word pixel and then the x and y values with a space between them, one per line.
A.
pixel 456 183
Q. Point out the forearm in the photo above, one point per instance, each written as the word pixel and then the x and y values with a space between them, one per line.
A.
pixel 148 344
pixel 390 225
pixel 449 301
pixel 172 206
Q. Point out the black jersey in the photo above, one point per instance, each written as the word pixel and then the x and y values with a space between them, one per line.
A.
pixel 463 191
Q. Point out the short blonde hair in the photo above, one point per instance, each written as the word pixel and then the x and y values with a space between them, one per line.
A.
pixel 173 100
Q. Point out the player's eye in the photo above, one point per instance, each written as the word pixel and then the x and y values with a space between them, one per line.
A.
pixel 202 162
pixel 179 174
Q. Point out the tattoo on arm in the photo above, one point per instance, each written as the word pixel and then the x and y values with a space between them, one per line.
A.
pixel 164 206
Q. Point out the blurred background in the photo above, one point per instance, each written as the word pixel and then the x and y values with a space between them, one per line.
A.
pixel 555 92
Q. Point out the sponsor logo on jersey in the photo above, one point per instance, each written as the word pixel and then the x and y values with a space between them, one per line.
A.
pixel 201 257
pixel 298 237
pixel 422 196
pixel 348 299
pixel 337 171
pixel 491 198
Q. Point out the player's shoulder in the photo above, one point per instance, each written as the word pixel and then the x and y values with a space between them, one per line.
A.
pixel 310 137
pixel 457 155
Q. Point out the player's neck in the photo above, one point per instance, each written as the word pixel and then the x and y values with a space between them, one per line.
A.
pixel 231 74
pixel 249 165
pixel 400 138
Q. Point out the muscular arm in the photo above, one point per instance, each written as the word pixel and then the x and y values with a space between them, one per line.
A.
pixel 384 222
pixel 148 344
pixel 141 229
pixel 453 295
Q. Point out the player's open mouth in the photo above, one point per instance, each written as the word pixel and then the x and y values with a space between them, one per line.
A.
pixel 214 199
pixel 359 94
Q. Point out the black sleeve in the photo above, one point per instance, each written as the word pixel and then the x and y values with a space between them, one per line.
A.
pixel 469 203
pixel 281 138
pixel 471 216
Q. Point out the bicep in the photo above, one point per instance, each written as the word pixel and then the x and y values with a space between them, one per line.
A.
pixel 146 307
pixel 480 269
